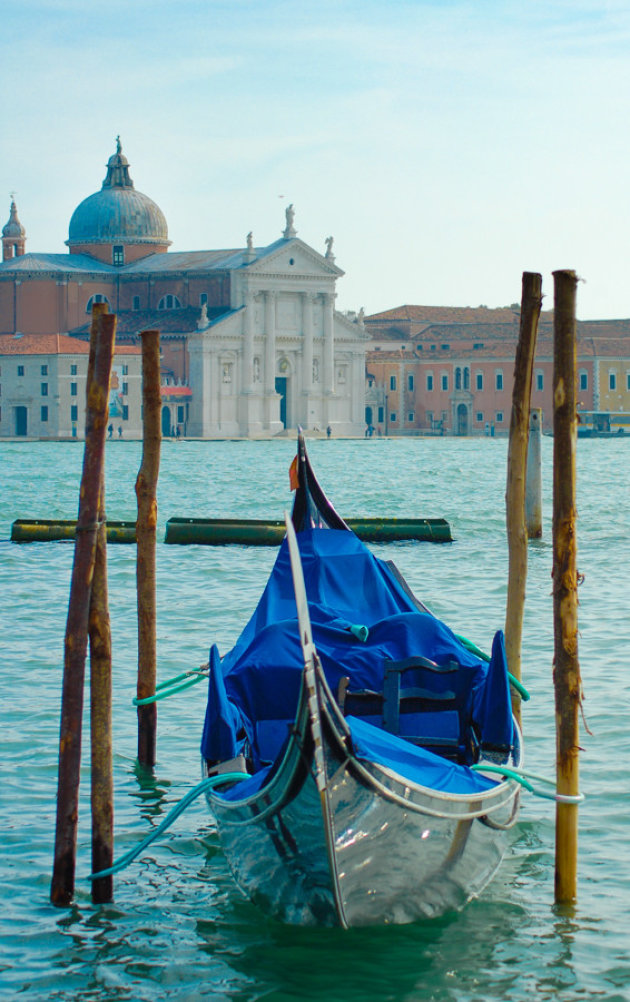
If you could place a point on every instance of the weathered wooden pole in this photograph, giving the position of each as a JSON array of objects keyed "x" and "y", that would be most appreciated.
[
  {"x": 146, "y": 534},
  {"x": 531, "y": 302},
  {"x": 101, "y": 774},
  {"x": 533, "y": 486},
  {"x": 75, "y": 648},
  {"x": 566, "y": 669}
]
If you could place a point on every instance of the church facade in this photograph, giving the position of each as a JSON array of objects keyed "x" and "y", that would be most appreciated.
[{"x": 251, "y": 341}]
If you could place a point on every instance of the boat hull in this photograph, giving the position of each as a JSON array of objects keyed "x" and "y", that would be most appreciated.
[{"x": 333, "y": 840}]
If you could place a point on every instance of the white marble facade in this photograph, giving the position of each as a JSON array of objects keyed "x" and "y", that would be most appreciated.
[{"x": 282, "y": 357}]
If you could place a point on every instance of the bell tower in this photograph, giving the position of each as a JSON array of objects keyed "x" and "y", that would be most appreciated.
[{"x": 13, "y": 235}]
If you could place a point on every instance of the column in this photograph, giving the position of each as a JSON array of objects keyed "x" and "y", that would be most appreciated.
[
  {"x": 329, "y": 343},
  {"x": 247, "y": 376},
  {"x": 270, "y": 343}
]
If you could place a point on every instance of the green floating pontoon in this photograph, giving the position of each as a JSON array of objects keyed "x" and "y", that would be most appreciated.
[
  {"x": 268, "y": 532},
  {"x": 43, "y": 530}
]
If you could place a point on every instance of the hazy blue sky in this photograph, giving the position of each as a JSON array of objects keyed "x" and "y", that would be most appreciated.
[{"x": 447, "y": 146}]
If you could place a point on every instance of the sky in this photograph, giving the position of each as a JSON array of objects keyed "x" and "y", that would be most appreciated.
[{"x": 447, "y": 146}]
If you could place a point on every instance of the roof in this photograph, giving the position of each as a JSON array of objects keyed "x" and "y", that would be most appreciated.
[
  {"x": 53, "y": 344},
  {"x": 175, "y": 391},
  {"x": 178, "y": 321}
]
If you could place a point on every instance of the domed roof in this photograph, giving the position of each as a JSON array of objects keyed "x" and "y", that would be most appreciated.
[{"x": 118, "y": 214}]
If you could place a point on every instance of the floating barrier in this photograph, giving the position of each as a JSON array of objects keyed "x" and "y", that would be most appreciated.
[
  {"x": 240, "y": 531},
  {"x": 268, "y": 532},
  {"x": 43, "y": 530}
]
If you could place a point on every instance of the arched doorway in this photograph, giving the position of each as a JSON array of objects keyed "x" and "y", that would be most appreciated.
[
  {"x": 462, "y": 419},
  {"x": 166, "y": 422}
]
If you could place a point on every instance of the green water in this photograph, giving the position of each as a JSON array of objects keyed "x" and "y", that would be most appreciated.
[{"x": 179, "y": 929}]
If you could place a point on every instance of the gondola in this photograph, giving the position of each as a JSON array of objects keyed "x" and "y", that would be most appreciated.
[{"x": 363, "y": 724}]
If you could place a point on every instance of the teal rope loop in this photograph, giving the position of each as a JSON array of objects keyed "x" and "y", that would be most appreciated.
[
  {"x": 173, "y": 685},
  {"x": 206, "y": 784},
  {"x": 523, "y": 777}
]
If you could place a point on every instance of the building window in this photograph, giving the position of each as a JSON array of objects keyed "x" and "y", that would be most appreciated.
[
  {"x": 458, "y": 378},
  {"x": 430, "y": 419},
  {"x": 74, "y": 413},
  {"x": 499, "y": 380},
  {"x": 135, "y": 303},
  {"x": 393, "y": 417},
  {"x": 180, "y": 414},
  {"x": 392, "y": 382},
  {"x": 118, "y": 254},
  {"x": 628, "y": 380},
  {"x": 479, "y": 380},
  {"x": 44, "y": 370},
  {"x": 411, "y": 417},
  {"x": 169, "y": 302},
  {"x": 410, "y": 382},
  {"x": 125, "y": 412},
  {"x": 125, "y": 370},
  {"x": 466, "y": 378},
  {"x": 381, "y": 415},
  {"x": 444, "y": 378},
  {"x": 44, "y": 413},
  {"x": 203, "y": 298},
  {"x": 445, "y": 347},
  {"x": 499, "y": 417},
  {"x": 612, "y": 380},
  {"x": 44, "y": 389},
  {"x": 20, "y": 370},
  {"x": 73, "y": 370},
  {"x": 73, "y": 389},
  {"x": 479, "y": 416},
  {"x": 540, "y": 381},
  {"x": 125, "y": 389},
  {"x": 96, "y": 298},
  {"x": 429, "y": 381}
]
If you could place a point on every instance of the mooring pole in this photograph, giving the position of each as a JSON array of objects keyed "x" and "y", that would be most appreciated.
[
  {"x": 533, "y": 487},
  {"x": 531, "y": 302},
  {"x": 102, "y": 783},
  {"x": 566, "y": 671},
  {"x": 75, "y": 648},
  {"x": 146, "y": 534}
]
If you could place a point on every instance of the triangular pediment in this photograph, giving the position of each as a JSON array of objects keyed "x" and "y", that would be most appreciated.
[{"x": 293, "y": 256}]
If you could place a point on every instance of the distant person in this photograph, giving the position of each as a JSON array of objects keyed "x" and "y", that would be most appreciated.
[
  {"x": 328, "y": 431},
  {"x": 178, "y": 432},
  {"x": 110, "y": 430},
  {"x": 119, "y": 431}
]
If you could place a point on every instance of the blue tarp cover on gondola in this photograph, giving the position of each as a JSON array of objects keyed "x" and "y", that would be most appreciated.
[{"x": 257, "y": 693}]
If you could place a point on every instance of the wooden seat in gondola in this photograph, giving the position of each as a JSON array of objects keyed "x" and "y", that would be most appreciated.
[{"x": 433, "y": 716}]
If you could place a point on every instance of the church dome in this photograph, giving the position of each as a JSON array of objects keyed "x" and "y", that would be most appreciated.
[{"x": 118, "y": 214}]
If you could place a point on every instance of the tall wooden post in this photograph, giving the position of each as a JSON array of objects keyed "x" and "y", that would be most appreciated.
[
  {"x": 62, "y": 886},
  {"x": 566, "y": 672},
  {"x": 146, "y": 535},
  {"x": 101, "y": 758},
  {"x": 531, "y": 302}
]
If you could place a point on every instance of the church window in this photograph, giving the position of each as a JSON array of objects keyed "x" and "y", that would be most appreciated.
[
  {"x": 466, "y": 378},
  {"x": 118, "y": 254},
  {"x": 169, "y": 302},
  {"x": 96, "y": 298}
]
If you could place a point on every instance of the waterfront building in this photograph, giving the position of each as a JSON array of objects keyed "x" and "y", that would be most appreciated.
[
  {"x": 251, "y": 341},
  {"x": 43, "y": 387},
  {"x": 449, "y": 370}
]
